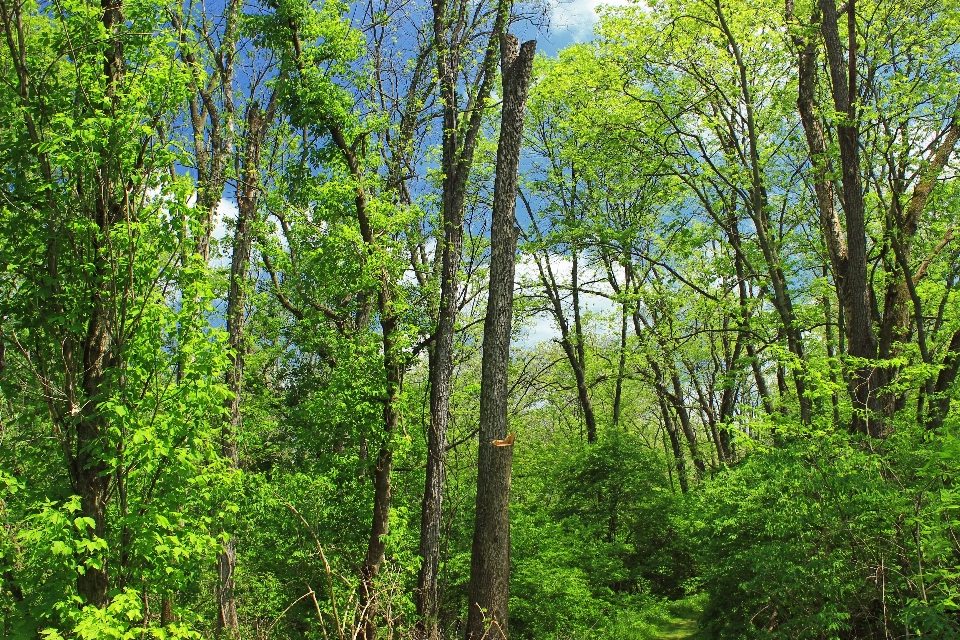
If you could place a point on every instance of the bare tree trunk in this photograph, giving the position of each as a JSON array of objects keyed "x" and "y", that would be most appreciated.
[
  {"x": 459, "y": 143},
  {"x": 247, "y": 199},
  {"x": 490, "y": 562},
  {"x": 621, "y": 368}
]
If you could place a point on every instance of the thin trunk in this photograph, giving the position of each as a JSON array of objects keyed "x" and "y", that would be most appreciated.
[
  {"x": 831, "y": 352},
  {"x": 247, "y": 200},
  {"x": 670, "y": 427},
  {"x": 666, "y": 453},
  {"x": 684, "y": 416},
  {"x": 571, "y": 340},
  {"x": 675, "y": 398},
  {"x": 580, "y": 361},
  {"x": 490, "y": 561},
  {"x": 393, "y": 372},
  {"x": 721, "y": 435},
  {"x": 621, "y": 368},
  {"x": 762, "y": 390}
]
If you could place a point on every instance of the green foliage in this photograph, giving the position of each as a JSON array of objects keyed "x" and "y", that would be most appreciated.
[
  {"x": 666, "y": 155},
  {"x": 823, "y": 537},
  {"x": 593, "y": 535}
]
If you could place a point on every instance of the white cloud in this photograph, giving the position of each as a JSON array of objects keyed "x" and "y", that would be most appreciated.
[
  {"x": 542, "y": 326},
  {"x": 577, "y": 17},
  {"x": 226, "y": 210}
]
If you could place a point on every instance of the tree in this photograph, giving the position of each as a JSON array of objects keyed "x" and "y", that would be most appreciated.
[
  {"x": 490, "y": 560},
  {"x": 858, "y": 98},
  {"x": 99, "y": 308},
  {"x": 452, "y": 37}
]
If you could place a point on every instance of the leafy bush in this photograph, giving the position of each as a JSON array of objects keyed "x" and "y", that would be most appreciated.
[{"x": 823, "y": 537}]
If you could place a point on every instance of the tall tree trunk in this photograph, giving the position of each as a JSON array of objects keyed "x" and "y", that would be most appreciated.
[
  {"x": 459, "y": 144},
  {"x": 621, "y": 368},
  {"x": 862, "y": 341},
  {"x": 490, "y": 561},
  {"x": 247, "y": 199},
  {"x": 89, "y": 470},
  {"x": 212, "y": 123},
  {"x": 579, "y": 362}
]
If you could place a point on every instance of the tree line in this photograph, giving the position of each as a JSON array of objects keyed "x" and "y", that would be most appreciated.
[{"x": 276, "y": 281}]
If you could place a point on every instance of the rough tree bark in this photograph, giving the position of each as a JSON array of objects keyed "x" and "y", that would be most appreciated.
[
  {"x": 257, "y": 124},
  {"x": 862, "y": 341},
  {"x": 459, "y": 144},
  {"x": 490, "y": 561},
  {"x": 88, "y": 470}
]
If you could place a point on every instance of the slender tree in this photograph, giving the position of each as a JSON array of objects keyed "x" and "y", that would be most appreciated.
[
  {"x": 461, "y": 128},
  {"x": 490, "y": 560}
]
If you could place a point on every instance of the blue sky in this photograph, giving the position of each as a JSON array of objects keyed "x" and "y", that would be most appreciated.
[{"x": 571, "y": 21}]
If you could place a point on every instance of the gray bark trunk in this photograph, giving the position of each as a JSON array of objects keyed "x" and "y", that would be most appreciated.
[
  {"x": 457, "y": 159},
  {"x": 490, "y": 562},
  {"x": 236, "y": 315}
]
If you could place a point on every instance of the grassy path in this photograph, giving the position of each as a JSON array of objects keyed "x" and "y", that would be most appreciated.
[
  {"x": 682, "y": 622},
  {"x": 676, "y": 620},
  {"x": 677, "y": 628}
]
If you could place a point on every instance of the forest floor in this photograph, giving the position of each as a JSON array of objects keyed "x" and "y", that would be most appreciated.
[{"x": 682, "y": 622}]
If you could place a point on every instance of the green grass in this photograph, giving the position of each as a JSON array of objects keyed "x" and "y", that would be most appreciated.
[
  {"x": 676, "y": 620},
  {"x": 676, "y": 628}
]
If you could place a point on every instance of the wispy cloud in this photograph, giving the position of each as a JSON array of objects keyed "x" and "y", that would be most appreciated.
[{"x": 577, "y": 17}]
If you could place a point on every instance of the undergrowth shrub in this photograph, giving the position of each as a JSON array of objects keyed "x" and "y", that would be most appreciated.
[{"x": 828, "y": 537}]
